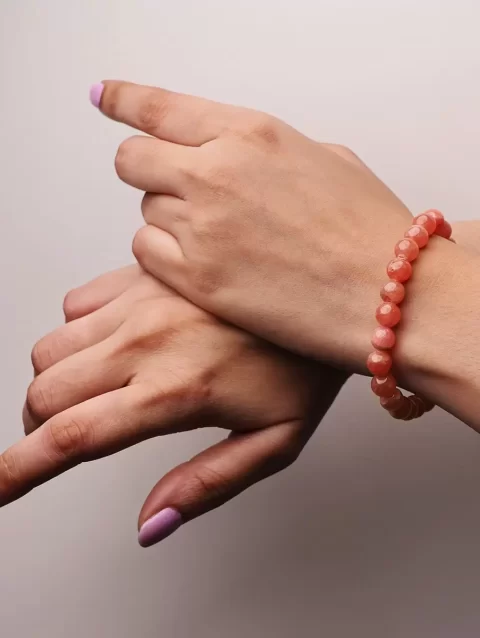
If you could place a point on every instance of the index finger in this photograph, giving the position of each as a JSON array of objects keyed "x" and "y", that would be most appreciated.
[
  {"x": 173, "y": 117},
  {"x": 98, "y": 427}
]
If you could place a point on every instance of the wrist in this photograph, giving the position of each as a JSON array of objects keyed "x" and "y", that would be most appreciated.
[{"x": 436, "y": 353}]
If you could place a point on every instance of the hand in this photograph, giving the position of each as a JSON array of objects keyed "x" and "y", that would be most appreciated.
[
  {"x": 136, "y": 361},
  {"x": 255, "y": 222}
]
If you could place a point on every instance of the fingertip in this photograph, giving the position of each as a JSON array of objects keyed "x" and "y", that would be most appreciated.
[
  {"x": 159, "y": 526},
  {"x": 96, "y": 92}
]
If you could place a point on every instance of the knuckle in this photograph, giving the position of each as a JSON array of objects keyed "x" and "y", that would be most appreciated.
[
  {"x": 344, "y": 151},
  {"x": 144, "y": 330},
  {"x": 125, "y": 156},
  {"x": 206, "y": 482},
  {"x": 263, "y": 128},
  {"x": 190, "y": 391},
  {"x": 10, "y": 474},
  {"x": 39, "y": 400},
  {"x": 195, "y": 391},
  {"x": 341, "y": 148},
  {"x": 153, "y": 111},
  {"x": 42, "y": 356},
  {"x": 71, "y": 439},
  {"x": 148, "y": 205},
  {"x": 201, "y": 172},
  {"x": 141, "y": 244},
  {"x": 55, "y": 347},
  {"x": 216, "y": 173},
  {"x": 72, "y": 308}
]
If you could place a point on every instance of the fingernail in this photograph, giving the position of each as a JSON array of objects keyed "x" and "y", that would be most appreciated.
[
  {"x": 159, "y": 527},
  {"x": 96, "y": 94}
]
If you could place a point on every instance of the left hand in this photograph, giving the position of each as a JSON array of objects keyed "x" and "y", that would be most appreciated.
[
  {"x": 135, "y": 361},
  {"x": 251, "y": 220}
]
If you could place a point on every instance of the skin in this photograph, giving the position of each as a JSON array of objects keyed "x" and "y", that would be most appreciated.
[
  {"x": 289, "y": 239},
  {"x": 173, "y": 363},
  {"x": 137, "y": 360},
  {"x": 134, "y": 361}
]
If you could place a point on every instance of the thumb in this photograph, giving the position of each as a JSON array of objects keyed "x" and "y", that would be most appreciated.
[{"x": 216, "y": 475}]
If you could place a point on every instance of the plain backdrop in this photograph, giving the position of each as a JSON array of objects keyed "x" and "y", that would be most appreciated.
[{"x": 374, "y": 531}]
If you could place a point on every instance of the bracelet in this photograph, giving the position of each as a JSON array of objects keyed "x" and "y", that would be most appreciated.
[{"x": 388, "y": 315}]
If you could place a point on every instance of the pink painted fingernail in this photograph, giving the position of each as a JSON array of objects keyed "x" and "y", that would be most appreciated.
[
  {"x": 96, "y": 94},
  {"x": 159, "y": 527}
]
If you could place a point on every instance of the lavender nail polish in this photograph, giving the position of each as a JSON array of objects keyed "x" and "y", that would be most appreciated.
[
  {"x": 159, "y": 527},
  {"x": 96, "y": 94}
]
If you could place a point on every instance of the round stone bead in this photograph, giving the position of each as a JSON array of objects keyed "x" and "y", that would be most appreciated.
[
  {"x": 383, "y": 338},
  {"x": 399, "y": 269},
  {"x": 428, "y": 404},
  {"x": 419, "y": 406},
  {"x": 392, "y": 403},
  {"x": 402, "y": 410},
  {"x": 416, "y": 409},
  {"x": 427, "y": 222},
  {"x": 384, "y": 386},
  {"x": 406, "y": 412},
  {"x": 388, "y": 314},
  {"x": 379, "y": 363},
  {"x": 444, "y": 230},
  {"x": 407, "y": 249},
  {"x": 419, "y": 235},
  {"x": 436, "y": 215},
  {"x": 393, "y": 291}
]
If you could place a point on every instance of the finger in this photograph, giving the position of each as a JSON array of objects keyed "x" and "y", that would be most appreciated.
[
  {"x": 29, "y": 424},
  {"x": 78, "y": 335},
  {"x": 349, "y": 156},
  {"x": 99, "y": 324},
  {"x": 174, "y": 117},
  {"x": 152, "y": 165},
  {"x": 167, "y": 213},
  {"x": 159, "y": 253},
  {"x": 86, "y": 374},
  {"x": 217, "y": 475},
  {"x": 99, "y": 292},
  {"x": 96, "y": 428}
]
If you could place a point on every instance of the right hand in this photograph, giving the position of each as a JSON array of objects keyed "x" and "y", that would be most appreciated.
[
  {"x": 256, "y": 223},
  {"x": 135, "y": 361}
]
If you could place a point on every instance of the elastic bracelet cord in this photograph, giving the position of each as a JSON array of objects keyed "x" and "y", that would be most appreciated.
[{"x": 388, "y": 315}]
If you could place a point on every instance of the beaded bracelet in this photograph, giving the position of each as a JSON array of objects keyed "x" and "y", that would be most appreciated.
[{"x": 388, "y": 315}]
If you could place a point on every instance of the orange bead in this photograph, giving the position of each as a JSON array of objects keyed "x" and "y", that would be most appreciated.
[
  {"x": 407, "y": 249},
  {"x": 394, "y": 402},
  {"x": 419, "y": 235},
  {"x": 399, "y": 269},
  {"x": 379, "y": 363},
  {"x": 383, "y": 338},
  {"x": 402, "y": 411},
  {"x": 384, "y": 386},
  {"x": 436, "y": 215},
  {"x": 419, "y": 406},
  {"x": 428, "y": 404},
  {"x": 427, "y": 222},
  {"x": 388, "y": 314},
  {"x": 393, "y": 291},
  {"x": 413, "y": 410},
  {"x": 444, "y": 230}
]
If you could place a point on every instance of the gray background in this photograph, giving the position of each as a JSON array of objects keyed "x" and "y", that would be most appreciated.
[{"x": 374, "y": 532}]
